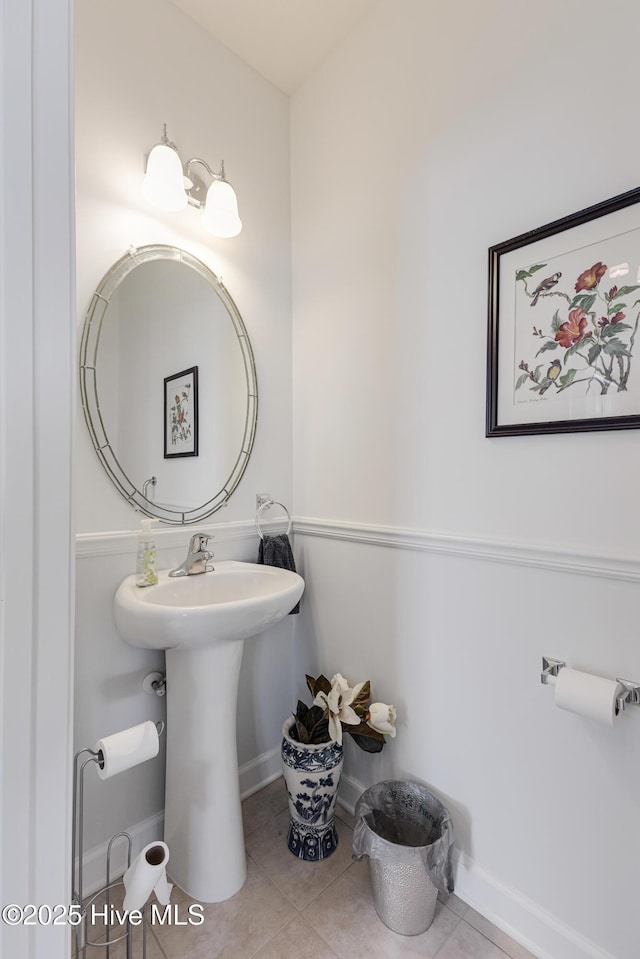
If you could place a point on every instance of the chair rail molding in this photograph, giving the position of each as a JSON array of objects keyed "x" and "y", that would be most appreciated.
[
  {"x": 123, "y": 542},
  {"x": 552, "y": 556}
]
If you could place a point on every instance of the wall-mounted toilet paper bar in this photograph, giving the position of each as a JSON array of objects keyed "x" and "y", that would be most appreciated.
[{"x": 630, "y": 695}]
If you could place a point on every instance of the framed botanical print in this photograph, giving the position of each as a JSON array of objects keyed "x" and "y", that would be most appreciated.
[
  {"x": 181, "y": 413},
  {"x": 564, "y": 307}
]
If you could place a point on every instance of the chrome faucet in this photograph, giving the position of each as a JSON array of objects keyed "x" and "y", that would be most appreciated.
[{"x": 197, "y": 557}]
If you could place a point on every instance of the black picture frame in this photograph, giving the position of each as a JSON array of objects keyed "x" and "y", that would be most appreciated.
[
  {"x": 584, "y": 270},
  {"x": 181, "y": 424}
]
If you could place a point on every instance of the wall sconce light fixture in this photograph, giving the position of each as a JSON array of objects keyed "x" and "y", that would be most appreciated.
[{"x": 171, "y": 185}]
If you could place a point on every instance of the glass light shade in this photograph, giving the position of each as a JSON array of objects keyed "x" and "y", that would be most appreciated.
[
  {"x": 220, "y": 215},
  {"x": 163, "y": 184}
]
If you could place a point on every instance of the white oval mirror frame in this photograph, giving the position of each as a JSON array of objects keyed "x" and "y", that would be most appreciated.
[{"x": 100, "y": 419}]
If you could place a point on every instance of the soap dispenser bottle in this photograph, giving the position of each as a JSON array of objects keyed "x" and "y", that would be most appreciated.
[{"x": 146, "y": 563}]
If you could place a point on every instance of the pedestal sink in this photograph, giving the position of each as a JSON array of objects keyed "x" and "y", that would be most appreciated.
[{"x": 202, "y": 621}]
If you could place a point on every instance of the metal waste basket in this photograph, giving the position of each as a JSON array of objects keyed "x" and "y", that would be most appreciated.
[{"x": 407, "y": 835}]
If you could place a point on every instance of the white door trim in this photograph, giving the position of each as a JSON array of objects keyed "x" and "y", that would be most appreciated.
[{"x": 37, "y": 396}]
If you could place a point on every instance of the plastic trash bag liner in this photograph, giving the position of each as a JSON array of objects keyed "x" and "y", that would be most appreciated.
[{"x": 396, "y": 822}]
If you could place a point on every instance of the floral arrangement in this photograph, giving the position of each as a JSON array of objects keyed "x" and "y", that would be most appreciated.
[{"x": 336, "y": 707}]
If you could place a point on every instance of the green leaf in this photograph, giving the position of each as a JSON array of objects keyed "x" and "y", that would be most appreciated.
[
  {"x": 616, "y": 308},
  {"x": 616, "y": 347},
  {"x": 574, "y": 349},
  {"x": 299, "y": 731},
  {"x": 571, "y": 351},
  {"x": 536, "y": 372},
  {"x": 549, "y": 345},
  {"x": 593, "y": 354},
  {"x": 534, "y": 269},
  {"x": 369, "y": 745},
  {"x": 319, "y": 685},
  {"x": 612, "y": 328},
  {"x": 363, "y": 697},
  {"x": 320, "y": 732},
  {"x": 522, "y": 275},
  {"x": 521, "y": 380},
  {"x": 367, "y": 738},
  {"x": 567, "y": 379},
  {"x": 556, "y": 322},
  {"x": 627, "y": 289},
  {"x": 583, "y": 300}
]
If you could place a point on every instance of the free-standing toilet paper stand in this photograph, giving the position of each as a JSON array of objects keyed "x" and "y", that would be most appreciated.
[
  {"x": 78, "y": 911},
  {"x": 629, "y": 696}
]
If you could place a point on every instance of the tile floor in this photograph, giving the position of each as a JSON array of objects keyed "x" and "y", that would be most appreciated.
[{"x": 290, "y": 909}]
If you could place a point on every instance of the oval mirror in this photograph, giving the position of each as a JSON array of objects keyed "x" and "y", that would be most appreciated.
[{"x": 168, "y": 384}]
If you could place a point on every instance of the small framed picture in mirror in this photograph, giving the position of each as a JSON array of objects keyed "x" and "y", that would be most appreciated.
[{"x": 181, "y": 413}]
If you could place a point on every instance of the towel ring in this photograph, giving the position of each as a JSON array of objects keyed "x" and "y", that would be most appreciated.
[{"x": 272, "y": 502}]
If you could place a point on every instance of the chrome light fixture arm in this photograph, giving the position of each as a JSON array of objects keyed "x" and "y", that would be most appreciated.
[{"x": 197, "y": 191}]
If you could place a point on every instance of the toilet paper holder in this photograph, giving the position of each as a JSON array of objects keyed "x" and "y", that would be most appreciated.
[
  {"x": 78, "y": 901},
  {"x": 630, "y": 695}
]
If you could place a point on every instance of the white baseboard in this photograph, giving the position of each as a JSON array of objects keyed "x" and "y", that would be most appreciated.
[
  {"x": 95, "y": 860},
  {"x": 528, "y": 923},
  {"x": 349, "y": 791},
  {"x": 253, "y": 775},
  {"x": 537, "y": 929},
  {"x": 259, "y": 772}
]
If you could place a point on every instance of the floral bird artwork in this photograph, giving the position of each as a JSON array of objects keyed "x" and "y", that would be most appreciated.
[
  {"x": 592, "y": 331},
  {"x": 179, "y": 415},
  {"x": 545, "y": 286}
]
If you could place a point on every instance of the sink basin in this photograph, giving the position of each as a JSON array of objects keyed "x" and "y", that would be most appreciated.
[
  {"x": 234, "y": 601},
  {"x": 202, "y": 621}
]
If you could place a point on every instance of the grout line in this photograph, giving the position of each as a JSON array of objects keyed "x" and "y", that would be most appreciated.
[
  {"x": 271, "y": 938},
  {"x": 451, "y": 934},
  {"x": 158, "y": 942}
]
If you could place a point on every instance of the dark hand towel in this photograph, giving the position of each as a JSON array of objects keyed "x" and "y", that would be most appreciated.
[{"x": 276, "y": 551}]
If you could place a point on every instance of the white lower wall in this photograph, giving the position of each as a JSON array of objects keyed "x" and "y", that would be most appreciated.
[{"x": 544, "y": 802}]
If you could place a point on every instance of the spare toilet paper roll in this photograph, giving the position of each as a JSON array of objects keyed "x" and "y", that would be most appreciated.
[
  {"x": 587, "y": 695},
  {"x": 126, "y": 749},
  {"x": 147, "y": 873}
]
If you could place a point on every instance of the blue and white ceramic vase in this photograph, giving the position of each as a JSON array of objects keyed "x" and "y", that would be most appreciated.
[{"x": 311, "y": 775}]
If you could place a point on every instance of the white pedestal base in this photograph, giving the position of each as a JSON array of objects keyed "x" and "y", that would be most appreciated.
[{"x": 203, "y": 816}]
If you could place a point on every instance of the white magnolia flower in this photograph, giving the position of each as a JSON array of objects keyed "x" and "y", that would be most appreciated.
[
  {"x": 337, "y": 706},
  {"x": 382, "y": 718}
]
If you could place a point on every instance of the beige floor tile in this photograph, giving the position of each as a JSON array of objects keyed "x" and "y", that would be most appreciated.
[
  {"x": 345, "y": 816},
  {"x": 345, "y": 917},
  {"x": 454, "y": 904},
  {"x": 300, "y": 881},
  {"x": 119, "y": 950},
  {"x": 467, "y": 943},
  {"x": 234, "y": 929},
  {"x": 298, "y": 941},
  {"x": 264, "y": 805},
  {"x": 512, "y": 948}
]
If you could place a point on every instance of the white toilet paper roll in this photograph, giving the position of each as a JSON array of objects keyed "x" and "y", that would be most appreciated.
[
  {"x": 147, "y": 873},
  {"x": 127, "y": 748},
  {"x": 587, "y": 695}
]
